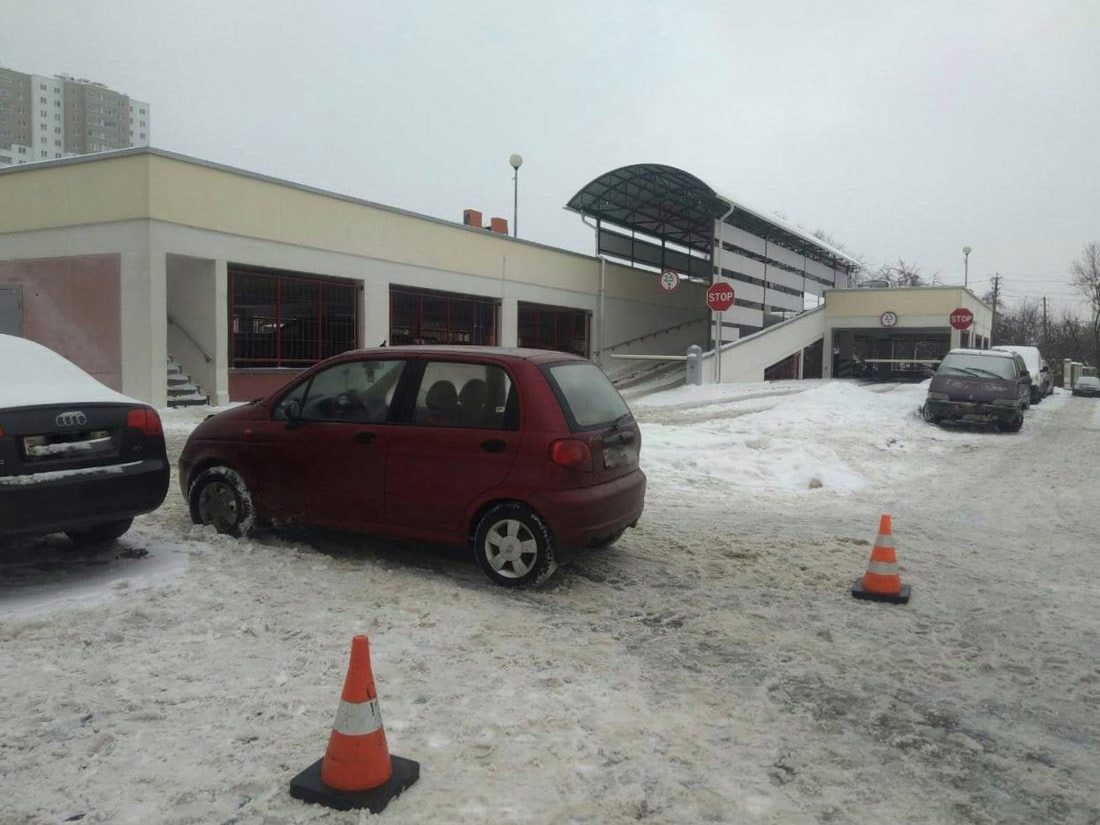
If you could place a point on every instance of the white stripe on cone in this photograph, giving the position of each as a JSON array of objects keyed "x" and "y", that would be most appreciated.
[
  {"x": 882, "y": 568},
  {"x": 884, "y": 541},
  {"x": 357, "y": 719}
]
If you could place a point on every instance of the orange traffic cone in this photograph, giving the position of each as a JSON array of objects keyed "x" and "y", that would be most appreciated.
[
  {"x": 357, "y": 770},
  {"x": 881, "y": 582}
]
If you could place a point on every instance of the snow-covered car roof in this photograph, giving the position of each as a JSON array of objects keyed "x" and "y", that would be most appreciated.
[{"x": 31, "y": 374}]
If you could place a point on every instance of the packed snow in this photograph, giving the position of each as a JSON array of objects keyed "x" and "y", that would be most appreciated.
[
  {"x": 711, "y": 667},
  {"x": 31, "y": 374}
]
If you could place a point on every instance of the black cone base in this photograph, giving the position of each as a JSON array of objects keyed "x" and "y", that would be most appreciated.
[
  {"x": 893, "y": 598},
  {"x": 307, "y": 786}
]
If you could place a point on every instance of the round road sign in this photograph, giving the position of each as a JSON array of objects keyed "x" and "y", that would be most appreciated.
[
  {"x": 962, "y": 318},
  {"x": 719, "y": 297},
  {"x": 888, "y": 318},
  {"x": 669, "y": 280}
]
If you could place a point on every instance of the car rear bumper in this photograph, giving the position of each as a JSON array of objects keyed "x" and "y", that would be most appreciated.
[
  {"x": 583, "y": 516},
  {"x": 972, "y": 410},
  {"x": 54, "y": 502}
]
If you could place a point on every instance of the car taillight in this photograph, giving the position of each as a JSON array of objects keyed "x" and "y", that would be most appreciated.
[
  {"x": 146, "y": 420},
  {"x": 1, "y": 432},
  {"x": 571, "y": 453}
]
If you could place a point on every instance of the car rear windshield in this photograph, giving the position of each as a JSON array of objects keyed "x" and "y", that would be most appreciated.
[
  {"x": 978, "y": 366},
  {"x": 588, "y": 397}
]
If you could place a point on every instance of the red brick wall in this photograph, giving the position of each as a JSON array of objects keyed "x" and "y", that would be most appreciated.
[{"x": 71, "y": 305}]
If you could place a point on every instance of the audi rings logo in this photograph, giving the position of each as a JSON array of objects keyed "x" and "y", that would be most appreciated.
[{"x": 71, "y": 419}]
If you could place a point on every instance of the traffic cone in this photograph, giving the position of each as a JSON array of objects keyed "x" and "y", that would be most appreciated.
[
  {"x": 881, "y": 582},
  {"x": 357, "y": 770}
]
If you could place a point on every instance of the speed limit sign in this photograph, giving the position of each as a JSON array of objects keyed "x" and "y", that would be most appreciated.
[{"x": 669, "y": 280}]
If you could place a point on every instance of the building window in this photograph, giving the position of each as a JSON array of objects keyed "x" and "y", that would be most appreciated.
[
  {"x": 421, "y": 316},
  {"x": 5, "y": 159},
  {"x": 282, "y": 319},
  {"x": 56, "y": 90},
  {"x": 142, "y": 111},
  {"x": 57, "y": 103},
  {"x": 142, "y": 135},
  {"x": 43, "y": 100},
  {"x": 556, "y": 328},
  {"x": 45, "y": 154},
  {"x": 42, "y": 86}
]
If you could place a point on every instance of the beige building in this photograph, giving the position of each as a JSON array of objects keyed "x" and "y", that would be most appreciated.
[{"x": 122, "y": 259}]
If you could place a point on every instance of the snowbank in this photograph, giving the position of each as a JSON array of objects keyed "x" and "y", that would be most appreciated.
[{"x": 824, "y": 438}]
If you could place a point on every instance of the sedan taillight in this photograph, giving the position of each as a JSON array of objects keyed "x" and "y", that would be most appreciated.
[
  {"x": 571, "y": 453},
  {"x": 146, "y": 420}
]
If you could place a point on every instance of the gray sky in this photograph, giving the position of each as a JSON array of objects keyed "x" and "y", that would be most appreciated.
[{"x": 902, "y": 129}]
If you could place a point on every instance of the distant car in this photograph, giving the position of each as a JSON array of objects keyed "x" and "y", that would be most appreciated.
[
  {"x": 75, "y": 456},
  {"x": 1087, "y": 386},
  {"x": 975, "y": 385},
  {"x": 1036, "y": 366},
  {"x": 518, "y": 454},
  {"x": 1048, "y": 379}
]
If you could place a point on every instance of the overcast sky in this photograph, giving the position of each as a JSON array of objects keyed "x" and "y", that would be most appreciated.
[{"x": 902, "y": 129}]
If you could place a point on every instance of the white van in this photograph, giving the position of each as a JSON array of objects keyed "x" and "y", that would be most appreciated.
[{"x": 1040, "y": 373}]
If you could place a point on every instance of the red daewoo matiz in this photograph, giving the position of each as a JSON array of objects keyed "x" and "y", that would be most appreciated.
[{"x": 521, "y": 454}]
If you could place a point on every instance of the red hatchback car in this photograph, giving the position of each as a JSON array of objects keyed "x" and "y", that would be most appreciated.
[{"x": 520, "y": 454}]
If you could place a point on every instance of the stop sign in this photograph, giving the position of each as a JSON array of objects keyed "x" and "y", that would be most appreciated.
[
  {"x": 962, "y": 318},
  {"x": 719, "y": 297}
]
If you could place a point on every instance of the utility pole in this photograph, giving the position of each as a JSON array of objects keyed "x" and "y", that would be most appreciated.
[
  {"x": 996, "y": 295},
  {"x": 1046, "y": 327}
]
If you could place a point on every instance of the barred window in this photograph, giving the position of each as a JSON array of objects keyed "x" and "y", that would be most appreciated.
[{"x": 288, "y": 320}]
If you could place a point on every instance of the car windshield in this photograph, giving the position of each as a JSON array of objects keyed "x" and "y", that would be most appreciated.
[
  {"x": 1088, "y": 381},
  {"x": 587, "y": 394},
  {"x": 978, "y": 366}
]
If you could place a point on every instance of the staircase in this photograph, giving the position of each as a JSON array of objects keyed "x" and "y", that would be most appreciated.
[{"x": 182, "y": 391}]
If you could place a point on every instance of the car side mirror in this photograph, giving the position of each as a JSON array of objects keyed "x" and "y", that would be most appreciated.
[{"x": 292, "y": 409}]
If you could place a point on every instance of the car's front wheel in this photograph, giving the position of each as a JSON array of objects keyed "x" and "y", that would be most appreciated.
[
  {"x": 219, "y": 496},
  {"x": 513, "y": 546},
  {"x": 101, "y": 533},
  {"x": 928, "y": 415}
]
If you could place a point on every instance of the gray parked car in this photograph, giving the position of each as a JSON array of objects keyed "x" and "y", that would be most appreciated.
[{"x": 975, "y": 385}]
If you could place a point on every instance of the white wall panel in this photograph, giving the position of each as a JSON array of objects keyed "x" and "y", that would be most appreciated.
[
  {"x": 785, "y": 256},
  {"x": 739, "y": 263},
  {"x": 741, "y": 238}
]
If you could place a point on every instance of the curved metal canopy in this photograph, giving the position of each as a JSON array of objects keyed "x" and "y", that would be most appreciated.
[{"x": 662, "y": 201}]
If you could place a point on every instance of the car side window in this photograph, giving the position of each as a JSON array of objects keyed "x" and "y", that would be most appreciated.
[
  {"x": 355, "y": 391},
  {"x": 296, "y": 394},
  {"x": 480, "y": 396}
]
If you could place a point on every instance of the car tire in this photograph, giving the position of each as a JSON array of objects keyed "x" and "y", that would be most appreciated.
[
  {"x": 1012, "y": 425},
  {"x": 101, "y": 533},
  {"x": 607, "y": 541},
  {"x": 513, "y": 546},
  {"x": 928, "y": 415},
  {"x": 218, "y": 496}
]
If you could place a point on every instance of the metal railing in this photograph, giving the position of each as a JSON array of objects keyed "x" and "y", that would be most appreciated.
[
  {"x": 655, "y": 333},
  {"x": 191, "y": 338}
]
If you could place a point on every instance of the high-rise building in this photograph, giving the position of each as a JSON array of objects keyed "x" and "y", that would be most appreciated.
[{"x": 45, "y": 118}]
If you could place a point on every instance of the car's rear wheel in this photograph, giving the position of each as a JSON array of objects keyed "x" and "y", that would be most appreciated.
[
  {"x": 101, "y": 533},
  {"x": 219, "y": 497},
  {"x": 513, "y": 546},
  {"x": 1012, "y": 425}
]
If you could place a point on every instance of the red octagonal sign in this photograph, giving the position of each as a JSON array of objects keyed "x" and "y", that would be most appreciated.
[
  {"x": 962, "y": 318},
  {"x": 719, "y": 297}
]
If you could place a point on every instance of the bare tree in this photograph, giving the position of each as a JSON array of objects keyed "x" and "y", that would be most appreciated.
[{"x": 1086, "y": 278}]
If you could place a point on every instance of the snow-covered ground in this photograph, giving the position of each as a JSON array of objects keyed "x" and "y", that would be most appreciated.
[{"x": 712, "y": 667}]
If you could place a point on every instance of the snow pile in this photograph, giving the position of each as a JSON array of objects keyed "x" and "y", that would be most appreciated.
[
  {"x": 31, "y": 374},
  {"x": 813, "y": 440}
]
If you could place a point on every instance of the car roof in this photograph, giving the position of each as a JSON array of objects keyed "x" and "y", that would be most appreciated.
[
  {"x": 537, "y": 356},
  {"x": 987, "y": 352}
]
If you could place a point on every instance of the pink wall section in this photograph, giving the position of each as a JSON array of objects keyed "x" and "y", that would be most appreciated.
[
  {"x": 245, "y": 385},
  {"x": 71, "y": 305}
]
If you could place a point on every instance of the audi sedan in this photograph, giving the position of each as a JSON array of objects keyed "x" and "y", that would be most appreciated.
[
  {"x": 76, "y": 457},
  {"x": 520, "y": 455}
]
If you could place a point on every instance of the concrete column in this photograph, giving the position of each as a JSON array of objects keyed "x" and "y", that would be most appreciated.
[
  {"x": 374, "y": 328},
  {"x": 144, "y": 326},
  {"x": 219, "y": 393},
  {"x": 956, "y": 338},
  {"x": 827, "y": 353},
  {"x": 509, "y": 323}
]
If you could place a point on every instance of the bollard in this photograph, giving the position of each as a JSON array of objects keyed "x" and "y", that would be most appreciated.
[{"x": 694, "y": 364}]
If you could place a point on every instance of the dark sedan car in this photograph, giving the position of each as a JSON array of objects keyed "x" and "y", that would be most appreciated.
[
  {"x": 518, "y": 454},
  {"x": 973, "y": 385},
  {"x": 75, "y": 456},
  {"x": 1087, "y": 386}
]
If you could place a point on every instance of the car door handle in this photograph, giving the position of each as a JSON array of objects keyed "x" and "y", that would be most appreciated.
[
  {"x": 365, "y": 437},
  {"x": 494, "y": 445}
]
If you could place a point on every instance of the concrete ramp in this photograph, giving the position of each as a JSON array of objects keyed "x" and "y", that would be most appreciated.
[{"x": 746, "y": 359}]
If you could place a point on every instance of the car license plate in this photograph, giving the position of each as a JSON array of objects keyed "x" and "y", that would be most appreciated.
[{"x": 619, "y": 456}]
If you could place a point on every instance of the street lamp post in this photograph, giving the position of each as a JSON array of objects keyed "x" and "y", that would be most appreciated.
[
  {"x": 517, "y": 161},
  {"x": 966, "y": 266}
]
